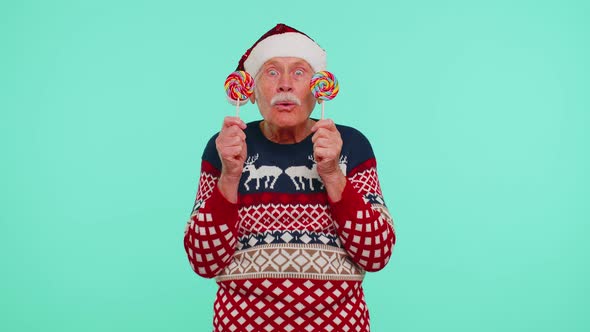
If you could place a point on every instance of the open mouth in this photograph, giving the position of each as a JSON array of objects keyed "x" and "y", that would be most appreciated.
[{"x": 285, "y": 105}]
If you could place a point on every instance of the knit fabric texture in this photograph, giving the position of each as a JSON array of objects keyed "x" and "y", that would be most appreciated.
[{"x": 285, "y": 257}]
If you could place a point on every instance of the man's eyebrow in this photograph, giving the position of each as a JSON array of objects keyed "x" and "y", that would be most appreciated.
[
  {"x": 300, "y": 63},
  {"x": 269, "y": 63}
]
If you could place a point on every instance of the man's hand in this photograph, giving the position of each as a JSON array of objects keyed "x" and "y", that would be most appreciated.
[
  {"x": 232, "y": 150},
  {"x": 327, "y": 145}
]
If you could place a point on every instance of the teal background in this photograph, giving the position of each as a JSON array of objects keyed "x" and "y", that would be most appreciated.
[{"x": 477, "y": 112}]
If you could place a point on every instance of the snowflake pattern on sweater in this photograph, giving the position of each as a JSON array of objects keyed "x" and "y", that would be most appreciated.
[{"x": 285, "y": 257}]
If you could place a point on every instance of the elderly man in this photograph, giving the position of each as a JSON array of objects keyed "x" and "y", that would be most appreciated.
[{"x": 289, "y": 213}]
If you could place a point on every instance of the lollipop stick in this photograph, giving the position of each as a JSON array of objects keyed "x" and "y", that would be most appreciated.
[
  {"x": 322, "y": 109},
  {"x": 238, "y": 107}
]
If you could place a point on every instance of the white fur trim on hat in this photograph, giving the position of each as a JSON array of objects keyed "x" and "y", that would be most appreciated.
[{"x": 288, "y": 44}]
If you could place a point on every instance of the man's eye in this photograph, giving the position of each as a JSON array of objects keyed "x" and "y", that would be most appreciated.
[
  {"x": 299, "y": 72},
  {"x": 273, "y": 72}
]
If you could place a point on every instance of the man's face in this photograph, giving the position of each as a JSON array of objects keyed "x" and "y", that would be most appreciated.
[{"x": 282, "y": 91}]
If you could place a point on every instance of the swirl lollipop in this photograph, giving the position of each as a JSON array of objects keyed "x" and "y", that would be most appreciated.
[
  {"x": 324, "y": 86},
  {"x": 239, "y": 86}
]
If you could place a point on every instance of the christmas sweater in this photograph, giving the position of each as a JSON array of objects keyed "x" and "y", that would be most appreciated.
[{"x": 286, "y": 257}]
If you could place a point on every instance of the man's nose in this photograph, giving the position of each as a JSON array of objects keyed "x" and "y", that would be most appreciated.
[{"x": 285, "y": 84}]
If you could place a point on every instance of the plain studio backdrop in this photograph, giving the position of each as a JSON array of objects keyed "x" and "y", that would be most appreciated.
[{"x": 477, "y": 112}]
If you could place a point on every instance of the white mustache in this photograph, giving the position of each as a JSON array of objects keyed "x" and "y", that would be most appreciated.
[{"x": 285, "y": 97}]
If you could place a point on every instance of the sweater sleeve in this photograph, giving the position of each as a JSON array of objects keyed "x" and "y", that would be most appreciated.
[
  {"x": 362, "y": 220},
  {"x": 210, "y": 235}
]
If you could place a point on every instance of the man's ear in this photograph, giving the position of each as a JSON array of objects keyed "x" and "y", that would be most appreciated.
[{"x": 253, "y": 97}]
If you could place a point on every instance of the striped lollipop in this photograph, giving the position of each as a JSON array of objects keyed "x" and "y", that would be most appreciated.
[
  {"x": 239, "y": 86},
  {"x": 324, "y": 86}
]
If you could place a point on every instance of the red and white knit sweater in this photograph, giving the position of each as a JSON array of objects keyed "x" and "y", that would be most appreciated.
[{"x": 285, "y": 257}]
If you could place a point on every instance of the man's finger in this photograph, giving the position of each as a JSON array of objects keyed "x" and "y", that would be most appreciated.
[
  {"x": 231, "y": 152},
  {"x": 325, "y": 154},
  {"x": 323, "y": 142},
  {"x": 233, "y": 131},
  {"x": 326, "y": 123},
  {"x": 229, "y": 121},
  {"x": 321, "y": 132}
]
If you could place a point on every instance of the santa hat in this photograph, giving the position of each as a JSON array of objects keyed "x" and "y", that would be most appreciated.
[{"x": 282, "y": 41}]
